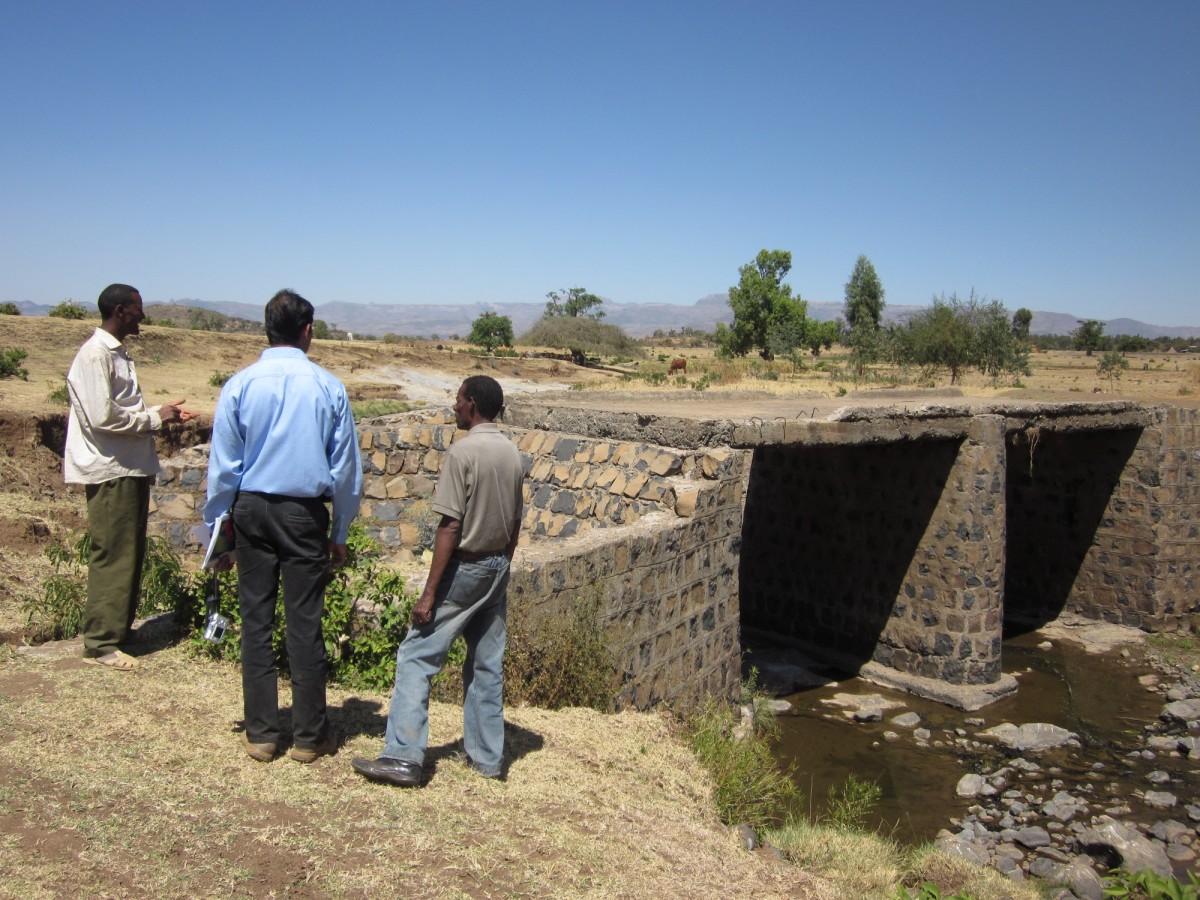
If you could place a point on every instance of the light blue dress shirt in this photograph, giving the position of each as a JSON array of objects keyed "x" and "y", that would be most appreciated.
[{"x": 283, "y": 426}]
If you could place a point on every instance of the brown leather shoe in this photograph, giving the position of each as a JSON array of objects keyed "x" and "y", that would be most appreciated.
[
  {"x": 327, "y": 747},
  {"x": 258, "y": 752}
]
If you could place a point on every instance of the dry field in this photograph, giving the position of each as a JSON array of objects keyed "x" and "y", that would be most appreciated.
[{"x": 132, "y": 784}]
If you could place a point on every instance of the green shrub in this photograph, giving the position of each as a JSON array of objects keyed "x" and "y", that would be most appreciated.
[
  {"x": 562, "y": 660},
  {"x": 218, "y": 378},
  {"x": 68, "y": 309},
  {"x": 1146, "y": 884},
  {"x": 751, "y": 788},
  {"x": 59, "y": 615},
  {"x": 64, "y": 594},
  {"x": 850, "y": 804},
  {"x": 10, "y": 364},
  {"x": 360, "y": 638},
  {"x": 58, "y": 395},
  {"x": 9, "y": 309}
]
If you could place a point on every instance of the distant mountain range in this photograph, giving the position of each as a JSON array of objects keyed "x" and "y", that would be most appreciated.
[{"x": 637, "y": 319}]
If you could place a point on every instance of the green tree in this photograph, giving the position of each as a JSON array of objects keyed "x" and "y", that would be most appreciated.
[
  {"x": 955, "y": 334},
  {"x": 490, "y": 331},
  {"x": 995, "y": 348},
  {"x": 938, "y": 337},
  {"x": 68, "y": 309},
  {"x": 320, "y": 329},
  {"x": 581, "y": 335},
  {"x": 9, "y": 309},
  {"x": 761, "y": 302},
  {"x": 864, "y": 296},
  {"x": 204, "y": 320},
  {"x": 1111, "y": 365},
  {"x": 574, "y": 303},
  {"x": 821, "y": 336},
  {"x": 1130, "y": 343},
  {"x": 863, "y": 313},
  {"x": 1021, "y": 321},
  {"x": 1089, "y": 335}
]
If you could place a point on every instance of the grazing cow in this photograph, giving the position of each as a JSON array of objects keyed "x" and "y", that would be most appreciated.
[{"x": 678, "y": 364}]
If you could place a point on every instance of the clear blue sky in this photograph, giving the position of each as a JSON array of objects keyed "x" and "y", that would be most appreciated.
[{"x": 1044, "y": 153}]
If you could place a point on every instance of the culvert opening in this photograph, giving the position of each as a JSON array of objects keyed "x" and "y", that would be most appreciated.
[
  {"x": 832, "y": 559},
  {"x": 1066, "y": 546}
]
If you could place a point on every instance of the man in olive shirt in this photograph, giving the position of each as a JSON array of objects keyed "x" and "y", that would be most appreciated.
[{"x": 479, "y": 498}]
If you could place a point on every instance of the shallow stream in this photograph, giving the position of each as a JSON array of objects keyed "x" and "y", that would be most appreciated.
[{"x": 1097, "y": 696}]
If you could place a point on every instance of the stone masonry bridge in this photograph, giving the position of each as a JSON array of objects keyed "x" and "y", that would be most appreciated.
[{"x": 899, "y": 537}]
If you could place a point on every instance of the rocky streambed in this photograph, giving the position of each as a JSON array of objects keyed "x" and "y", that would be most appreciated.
[{"x": 1092, "y": 764}]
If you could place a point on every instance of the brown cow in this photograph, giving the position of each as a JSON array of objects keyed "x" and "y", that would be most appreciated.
[{"x": 678, "y": 364}]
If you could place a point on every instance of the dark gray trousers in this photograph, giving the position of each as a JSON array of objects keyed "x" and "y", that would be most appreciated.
[{"x": 282, "y": 538}]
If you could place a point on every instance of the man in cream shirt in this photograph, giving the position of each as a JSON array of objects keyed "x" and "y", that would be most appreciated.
[{"x": 110, "y": 450}]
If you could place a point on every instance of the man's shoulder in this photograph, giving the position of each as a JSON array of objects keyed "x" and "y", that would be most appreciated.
[
  {"x": 96, "y": 347},
  {"x": 489, "y": 443}
]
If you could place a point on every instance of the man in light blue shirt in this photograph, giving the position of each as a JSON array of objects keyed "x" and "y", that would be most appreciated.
[{"x": 283, "y": 444}]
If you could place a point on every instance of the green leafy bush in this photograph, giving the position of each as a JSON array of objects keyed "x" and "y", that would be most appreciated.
[
  {"x": 751, "y": 788},
  {"x": 9, "y": 309},
  {"x": 218, "y": 379},
  {"x": 560, "y": 661},
  {"x": 10, "y": 364},
  {"x": 68, "y": 309},
  {"x": 64, "y": 594},
  {"x": 360, "y": 637},
  {"x": 58, "y": 395},
  {"x": 59, "y": 615},
  {"x": 1150, "y": 886}
]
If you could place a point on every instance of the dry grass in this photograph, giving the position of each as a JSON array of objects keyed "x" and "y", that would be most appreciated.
[
  {"x": 1153, "y": 377},
  {"x": 857, "y": 864},
  {"x": 119, "y": 784}
]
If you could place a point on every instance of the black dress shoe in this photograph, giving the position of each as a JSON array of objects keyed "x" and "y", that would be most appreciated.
[{"x": 393, "y": 771}]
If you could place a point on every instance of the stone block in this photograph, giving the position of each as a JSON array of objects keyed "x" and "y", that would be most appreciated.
[
  {"x": 635, "y": 485},
  {"x": 374, "y": 488},
  {"x": 664, "y": 464},
  {"x": 175, "y": 506}
]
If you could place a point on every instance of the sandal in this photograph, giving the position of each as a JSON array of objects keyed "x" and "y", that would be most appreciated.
[{"x": 117, "y": 659}]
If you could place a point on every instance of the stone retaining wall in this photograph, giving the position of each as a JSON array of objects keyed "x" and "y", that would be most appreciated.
[
  {"x": 654, "y": 530},
  {"x": 898, "y": 540}
]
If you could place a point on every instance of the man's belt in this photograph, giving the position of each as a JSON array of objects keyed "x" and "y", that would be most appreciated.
[{"x": 473, "y": 556}]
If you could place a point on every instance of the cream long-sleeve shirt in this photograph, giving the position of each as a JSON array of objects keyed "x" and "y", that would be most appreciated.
[{"x": 110, "y": 430}]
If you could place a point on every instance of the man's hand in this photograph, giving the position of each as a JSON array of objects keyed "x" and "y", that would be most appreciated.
[
  {"x": 422, "y": 611},
  {"x": 224, "y": 563},
  {"x": 174, "y": 412},
  {"x": 337, "y": 555}
]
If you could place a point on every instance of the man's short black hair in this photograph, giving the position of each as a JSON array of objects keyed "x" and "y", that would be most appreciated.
[
  {"x": 487, "y": 394},
  {"x": 287, "y": 314},
  {"x": 116, "y": 295}
]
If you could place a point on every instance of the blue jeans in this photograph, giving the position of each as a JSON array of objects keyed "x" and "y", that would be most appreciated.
[{"x": 471, "y": 600}]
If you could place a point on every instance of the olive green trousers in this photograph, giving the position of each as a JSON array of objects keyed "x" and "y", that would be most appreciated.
[{"x": 117, "y": 513}]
